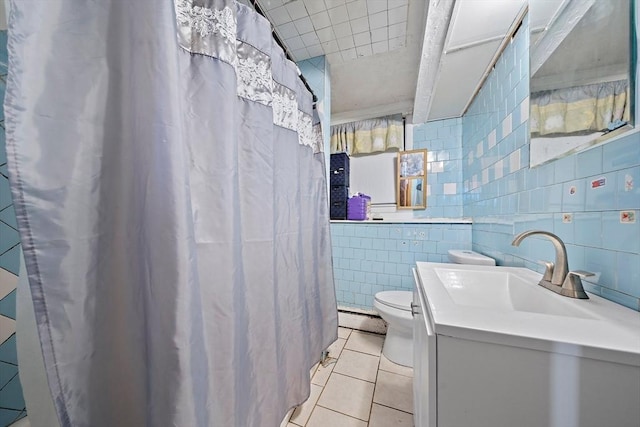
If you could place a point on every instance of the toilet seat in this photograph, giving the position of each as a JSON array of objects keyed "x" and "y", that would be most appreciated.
[{"x": 400, "y": 300}]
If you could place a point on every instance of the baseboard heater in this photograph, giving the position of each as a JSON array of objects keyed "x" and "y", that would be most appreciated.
[{"x": 362, "y": 320}]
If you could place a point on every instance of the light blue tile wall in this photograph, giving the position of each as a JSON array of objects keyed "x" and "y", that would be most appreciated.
[
  {"x": 317, "y": 73},
  {"x": 443, "y": 141},
  {"x": 12, "y": 405},
  {"x": 505, "y": 197},
  {"x": 369, "y": 258}
]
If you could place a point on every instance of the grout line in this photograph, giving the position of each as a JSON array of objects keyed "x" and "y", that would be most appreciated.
[
  {"x": 391, "y": 407},
  {"x": 396, "y": 373},
  {"x": 342, "y": 413},
  {"x": 355, "y": 378}
]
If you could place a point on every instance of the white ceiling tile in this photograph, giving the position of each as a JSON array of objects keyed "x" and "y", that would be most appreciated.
[
  {"x": 378, "y": 20},
  {"x": 397, "y": 3},
  {"x": 321, "y": 20},
  {"x": 398, "y": 30},
  {"x": 303, "y": 25},
  {"x": 380, "y": 47},
  {"x": 271, "y": 4},
  {"x": 330, "y": 47},
  {"x": 349, "y": 54},
  {"x": 334, "y": 57},
  {"x": 315, "y": 50},
  {"x": 375, "y": 6},
  {"x": 379, "y": 34},
  {"x": 397, "y": 15},
  {"x": 296, "y": 9},
  {"x": 287, "y": 31},
  {"x": 294, "y": 43},
  {"x": 279, "y": 16},
  {"x": 396, "y": 43},
  {"x": 300, "y": 54},
  {"x": 333, "y": 3},
  {"x": 338, "y": 14},
  {"x": 346, "y": 43},
  {"x": 310, "y": 39},
  {"x": 364, "y": 50},
  {"x": 326, "y": 34},
  {"x": 362, "y": 39},
  {"x": 360, "y": 25},
  {"x": 342, "y": 30},
  {"x": 357, "y": 9},
  {"x": 314, "y": 6}
]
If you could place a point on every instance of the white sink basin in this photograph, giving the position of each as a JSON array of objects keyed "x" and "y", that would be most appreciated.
[
  {"x": 506, "y": 305},
  {"x": 505, "y": 290}
]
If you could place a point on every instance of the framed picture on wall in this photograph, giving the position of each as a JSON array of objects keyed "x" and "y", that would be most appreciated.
[{"x": 411, "y": 188}]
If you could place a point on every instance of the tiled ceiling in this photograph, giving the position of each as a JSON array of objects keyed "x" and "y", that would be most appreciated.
[
  {"x": 342, "y": 30},
  {"x": 375, "y": 46}
]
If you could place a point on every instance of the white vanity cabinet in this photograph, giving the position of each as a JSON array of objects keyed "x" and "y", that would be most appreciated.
[
  {"x": 424, "y": 362},
  {"x": 466, "y": 375}
]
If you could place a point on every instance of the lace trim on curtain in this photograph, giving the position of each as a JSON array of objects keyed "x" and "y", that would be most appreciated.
[
  {"x": 318, "y": 143},
  {"x": 285, "y": 107},
  {"x": 254, "y": 74},
  {"x": 210, "y": 32},
  {"x": 213, "y": 32},
  {"x": 305, "y": 129}
]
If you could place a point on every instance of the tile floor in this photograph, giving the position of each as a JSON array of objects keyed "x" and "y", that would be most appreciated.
[{"x": 359, "y": 387}]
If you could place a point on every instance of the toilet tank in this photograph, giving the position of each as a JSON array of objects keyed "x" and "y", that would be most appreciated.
[{"x": 458, "y": 256}]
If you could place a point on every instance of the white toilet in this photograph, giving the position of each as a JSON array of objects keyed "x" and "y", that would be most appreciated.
[{"x": 395, "y": 308}]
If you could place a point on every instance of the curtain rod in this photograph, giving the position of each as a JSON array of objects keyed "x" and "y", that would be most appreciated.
[{"x": 258, "y": 9}]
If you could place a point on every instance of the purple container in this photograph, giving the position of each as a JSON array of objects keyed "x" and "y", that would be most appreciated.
[{"x": 358, "y": 207}]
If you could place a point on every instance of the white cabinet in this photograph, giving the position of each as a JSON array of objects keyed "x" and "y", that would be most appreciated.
[
  {"x": 424, "y": 362},
  {"x": 467, "y": 379}
]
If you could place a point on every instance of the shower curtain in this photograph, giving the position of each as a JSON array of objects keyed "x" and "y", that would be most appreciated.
[{"x": 170, "y": 193}]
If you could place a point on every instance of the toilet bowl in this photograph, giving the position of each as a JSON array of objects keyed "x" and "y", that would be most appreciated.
[{"x": 395, "y": 308}]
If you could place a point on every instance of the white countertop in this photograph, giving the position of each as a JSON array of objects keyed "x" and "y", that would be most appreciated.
[
  {"x": 408, "y": 221},
  {"x": 611, "y": 333}
]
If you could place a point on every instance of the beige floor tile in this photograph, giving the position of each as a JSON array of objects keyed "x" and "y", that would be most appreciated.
[
  {"x": 285, "y": 421},
  {"x": 349, "y": 396},
  {"x": 322, "y": 374},
  {"x": 323, "y": 417},
  {"x": 389, "y": 366},
  {"x": 313, "y": 370},
  {"x": 7, "y": 328},
  {"x": 303, "y": 412},
  {"x": 365, "y": 342},
  {"x": 358, "y": 365},
  {"x": 381, "y": 416},
  {"x": 8, "y": 282},
  {"x": 394, "y": 391},
  {"x": 344, "y": 333},
  {"x": 336, "y": 348},
  {"x": 22, "y": 422}
]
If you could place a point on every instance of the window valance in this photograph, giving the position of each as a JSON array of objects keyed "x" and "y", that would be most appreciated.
[{"x": 368, "y": 136}]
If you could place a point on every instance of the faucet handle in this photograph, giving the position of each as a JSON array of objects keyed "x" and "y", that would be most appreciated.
[
  {"x": 548, "y": 271},
  {"x": 572, "y": 286}
]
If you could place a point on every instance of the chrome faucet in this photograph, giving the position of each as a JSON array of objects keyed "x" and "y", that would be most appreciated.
[{"x": 557, "y": 276}]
